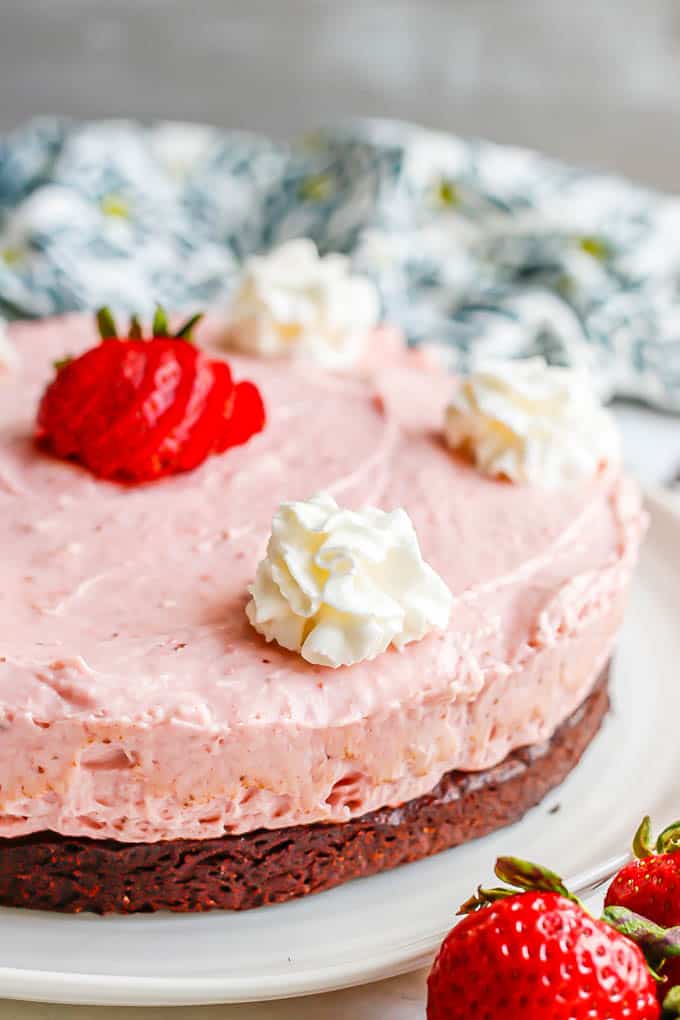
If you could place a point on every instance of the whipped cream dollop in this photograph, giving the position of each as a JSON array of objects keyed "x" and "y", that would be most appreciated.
[
  {"x": 295, "y": 303},
  {"x": 340, "y": 586},
  {"x": 531, "y": 422}
]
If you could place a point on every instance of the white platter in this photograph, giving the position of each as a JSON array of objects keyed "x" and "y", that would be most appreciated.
[{"x": 392, "y": 923}]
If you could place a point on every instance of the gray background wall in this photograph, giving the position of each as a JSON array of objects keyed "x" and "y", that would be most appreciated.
[{"x": 597, "y": 81}]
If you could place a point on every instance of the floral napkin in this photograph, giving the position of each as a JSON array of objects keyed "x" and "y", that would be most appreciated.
[{"x": 484, "y": 249}]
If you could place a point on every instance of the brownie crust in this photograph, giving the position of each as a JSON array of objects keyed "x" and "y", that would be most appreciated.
[{"x": 46, "y": 871}]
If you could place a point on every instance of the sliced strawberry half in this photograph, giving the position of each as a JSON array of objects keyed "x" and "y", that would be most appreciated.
[
  {"x": 135, "y": 409},
  {"x": 246, "y": 418}
]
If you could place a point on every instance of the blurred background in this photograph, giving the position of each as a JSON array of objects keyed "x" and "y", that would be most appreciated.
[{"x": 592, "y": 81}]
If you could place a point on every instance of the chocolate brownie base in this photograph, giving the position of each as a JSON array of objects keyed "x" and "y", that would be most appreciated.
[{"x": 50, "y": 872}]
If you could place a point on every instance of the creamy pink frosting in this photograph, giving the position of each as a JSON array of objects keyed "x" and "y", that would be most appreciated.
[{"x": 136, "y": 701}]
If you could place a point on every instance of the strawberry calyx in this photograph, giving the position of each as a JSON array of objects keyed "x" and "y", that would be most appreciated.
[
  {"x": 160, "y": 327},
  {"x": 671, "y": 1003},
  {"x": 185, "y": 332},
  {"x": 520, "y": 876},
  {"x": 657, "y": 943},
  {"x": 106, "y": 324},
  {"x": 667, "y": 842}
]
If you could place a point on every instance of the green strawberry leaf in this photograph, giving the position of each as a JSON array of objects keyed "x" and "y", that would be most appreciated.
[
  {"x": 669, "y": 840},
  {"x": 530, "y": 877},
  {"x": 185, "y": 331},
  {"x": 643, "y": 845},
  {"x": 671, "y": 1004},
  {"x": 161, "y": 326},
  {"x": 106, "y": 324},
  {"x": 135, "y": 332},
  {"x": 484, "y": 898},
  {"x": 656, "y": 943}
]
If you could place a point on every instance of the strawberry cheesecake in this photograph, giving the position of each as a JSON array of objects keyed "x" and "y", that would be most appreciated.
[{"x": 340, "y": 613}]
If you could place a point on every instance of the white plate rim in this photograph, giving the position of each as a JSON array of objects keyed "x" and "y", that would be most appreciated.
[{"x": 105, "y": 989}]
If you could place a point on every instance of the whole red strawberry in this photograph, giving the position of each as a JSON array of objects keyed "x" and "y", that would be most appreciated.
[
  {"x": 135, "y": 409},
  {"x": 536, "y": 955},
  {"x": 650, "y": 886}
]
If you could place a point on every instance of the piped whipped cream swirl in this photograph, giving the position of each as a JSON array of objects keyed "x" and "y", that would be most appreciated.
[
  {"x": 340, "y": 586},
  {"x": 295, "y": 303},
  {"x": 531, "y": 422}
]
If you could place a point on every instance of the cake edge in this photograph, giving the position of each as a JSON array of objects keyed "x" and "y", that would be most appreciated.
[{"x": 46, "y": 871}]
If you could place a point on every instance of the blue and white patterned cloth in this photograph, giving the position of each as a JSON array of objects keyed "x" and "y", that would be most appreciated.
[{"x": 486, "y": 249}]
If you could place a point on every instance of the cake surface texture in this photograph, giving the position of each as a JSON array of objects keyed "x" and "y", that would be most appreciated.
[{"x": 137, "y": 703}]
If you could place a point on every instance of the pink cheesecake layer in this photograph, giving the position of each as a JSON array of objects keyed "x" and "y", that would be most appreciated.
[{"x": 136, "y": 702}]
